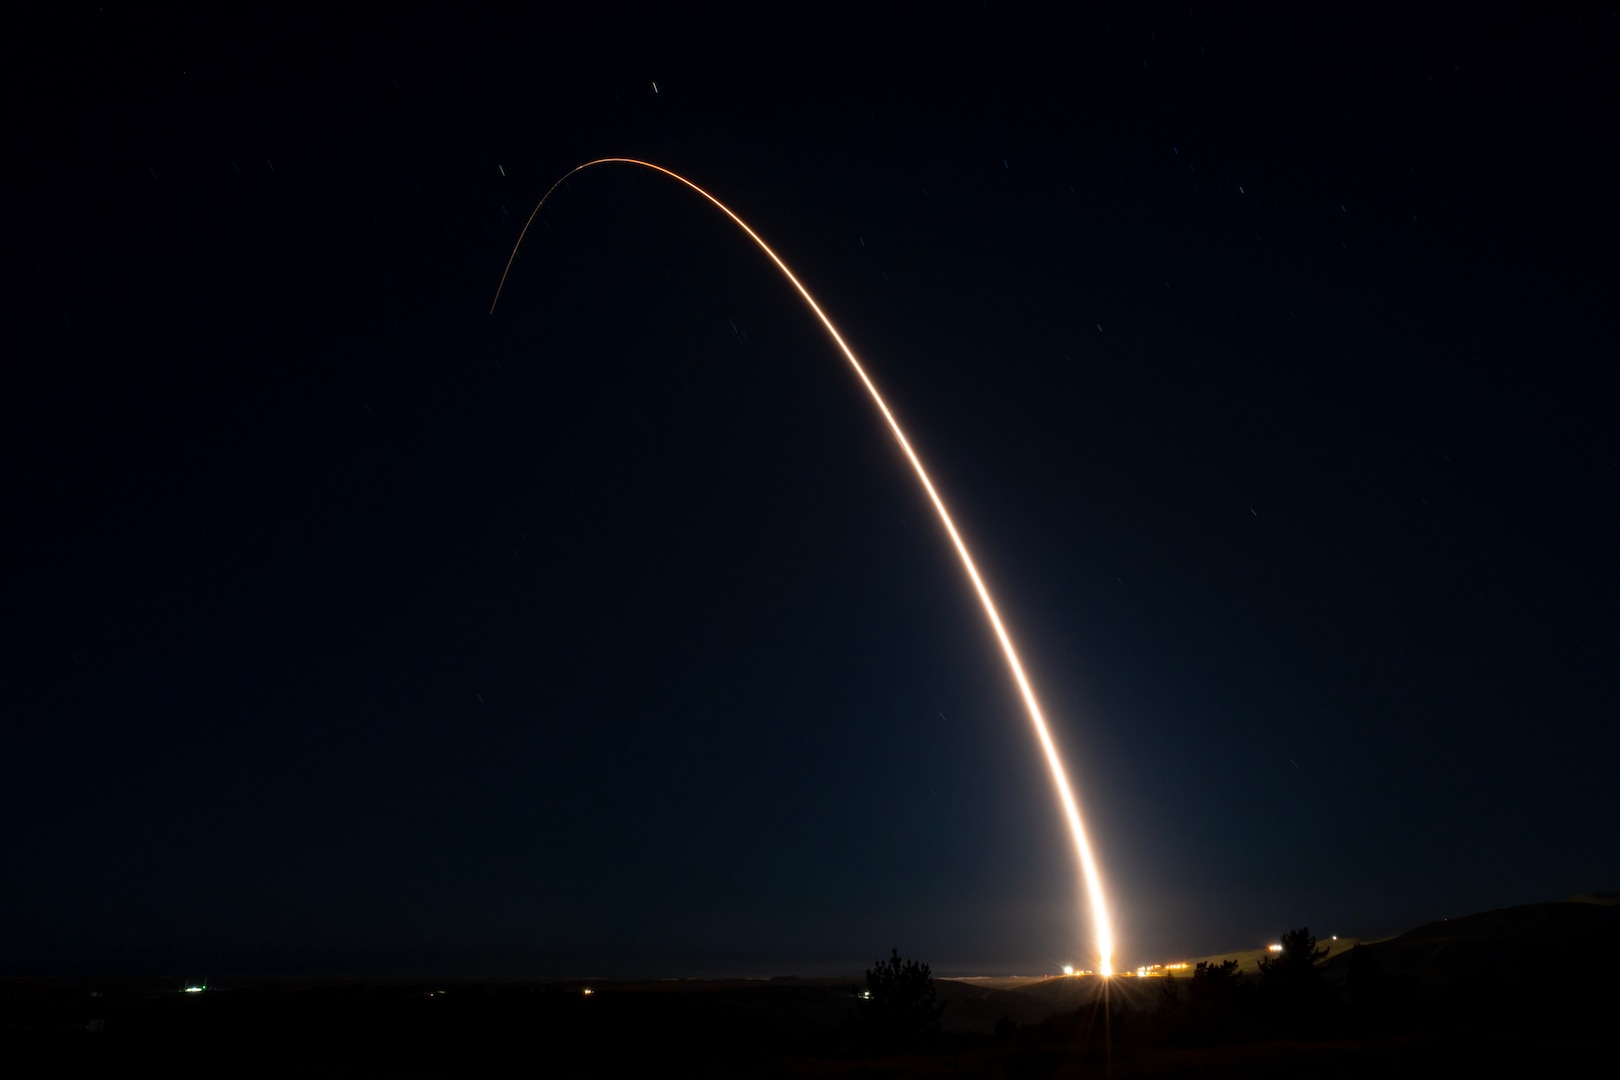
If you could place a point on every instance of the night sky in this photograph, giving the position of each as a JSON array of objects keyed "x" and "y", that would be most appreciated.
[{"x": 1268, "y": 367}]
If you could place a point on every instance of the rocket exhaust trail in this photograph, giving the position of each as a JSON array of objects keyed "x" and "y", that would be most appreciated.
[{"x": 1101, "y": 928}]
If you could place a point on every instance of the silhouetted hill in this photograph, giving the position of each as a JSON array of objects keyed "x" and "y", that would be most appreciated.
[
  {"x": 1530, "y": 989},
  {"x": 1568, "y": 939}
]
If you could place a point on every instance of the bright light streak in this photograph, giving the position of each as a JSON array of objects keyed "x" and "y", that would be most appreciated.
[
  {"x": 1102, "y": 929},
  {"x": 1274, "y": 948},
  {"x": 1068, "y": 969}
]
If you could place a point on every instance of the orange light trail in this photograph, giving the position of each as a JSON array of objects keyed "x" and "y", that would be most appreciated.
[{"x": 1101, "y": 928}]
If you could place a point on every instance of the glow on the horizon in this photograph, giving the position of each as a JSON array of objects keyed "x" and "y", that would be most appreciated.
[{"x": 1102, "y": 929}]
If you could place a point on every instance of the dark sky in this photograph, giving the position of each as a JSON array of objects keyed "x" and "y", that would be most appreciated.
[{"x": 1268, "y": 366}]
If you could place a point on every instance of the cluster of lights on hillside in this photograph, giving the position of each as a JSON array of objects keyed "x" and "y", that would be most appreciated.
[
  {"x": 1148, "y": 971},
  {"x": 1144, "y": 972}
]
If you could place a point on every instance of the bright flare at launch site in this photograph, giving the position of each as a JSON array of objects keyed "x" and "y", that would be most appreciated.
[{"x": 1102, "y": 931}]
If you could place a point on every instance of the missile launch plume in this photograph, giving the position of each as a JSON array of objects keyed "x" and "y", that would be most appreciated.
[{"x": 1102, "y": 931}]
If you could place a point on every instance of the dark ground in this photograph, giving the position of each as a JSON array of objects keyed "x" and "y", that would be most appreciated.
[{"x": 1526, "y": 990}]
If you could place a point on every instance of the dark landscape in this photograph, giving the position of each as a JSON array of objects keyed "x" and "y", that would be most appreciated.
[{"x": 1530, "y": 989}]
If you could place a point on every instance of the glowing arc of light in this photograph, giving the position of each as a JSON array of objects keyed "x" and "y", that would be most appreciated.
[{"x": 1101, "y": 926}]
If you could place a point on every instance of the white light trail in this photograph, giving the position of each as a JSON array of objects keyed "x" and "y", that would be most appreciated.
[{"x": 1092, "y": 880}]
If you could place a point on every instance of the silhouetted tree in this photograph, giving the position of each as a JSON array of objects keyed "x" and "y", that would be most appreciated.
[
  {"x": 1292, "y": 987},
  {"x": 1213, "y": 982},
  {"x": 1297, "y": 961},
  {"x": 1212, "y": 995},
  {"x": 899, "y": 1002},
  {"x": 1169, "y": 993},
  {"x": 1167, "y": 1017},
  {"x": 1360, "y": 982}
]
